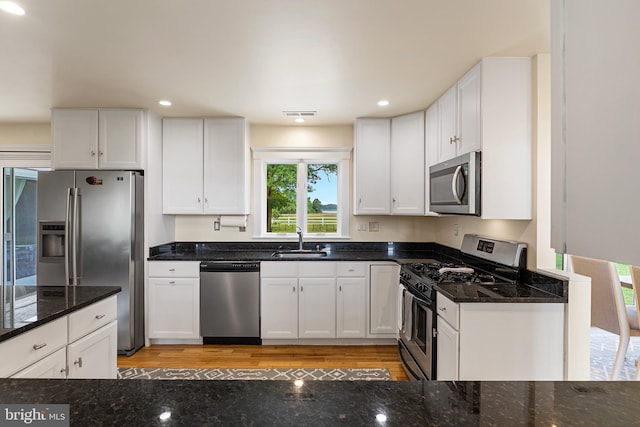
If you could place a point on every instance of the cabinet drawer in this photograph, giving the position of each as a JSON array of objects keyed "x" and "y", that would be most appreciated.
[
  {"x": 448, "y": 310},
  {"x": 351, "y": 269},
  {"x": 25, "y": 349},
  {"x": 174, "y": 269},
  {"x": 316, "y": 269},
  {"x": 278, "y": 269},
  {"x": 90, "y": 318}
]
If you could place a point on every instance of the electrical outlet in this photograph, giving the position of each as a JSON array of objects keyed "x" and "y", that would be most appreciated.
[
  {"x": 455, "y": 229},
  {"x": 362, "y": 226},
  {"x": 374, "y": 227}
]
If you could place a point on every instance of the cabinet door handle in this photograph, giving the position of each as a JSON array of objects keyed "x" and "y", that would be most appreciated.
[
  {"x": 340, "y": 288},
  {"x": 93, "y": 153},
  {"x": 100, "y": 153},
  {"x": 294, "y": 289},
  {"x": 39, "y": 346},
  {"x": 198, "y": 200},
  {"x": 78, "y": 362},
  {"x": 100, "y": 316},
  {"x": 301, "y": 288},
  {"x": 443, "y": 309}
]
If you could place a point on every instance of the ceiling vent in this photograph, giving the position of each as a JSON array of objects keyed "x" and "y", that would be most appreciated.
[{"x": 302, "y": 114}]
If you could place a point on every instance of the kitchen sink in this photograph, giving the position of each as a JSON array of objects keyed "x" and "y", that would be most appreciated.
[{"x": 299, "y": 253}]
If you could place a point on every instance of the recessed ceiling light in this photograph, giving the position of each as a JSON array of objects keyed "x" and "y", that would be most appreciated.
[
  {"x": 299, "y": 120},
  {"x": 165, "y": 103},
  {"x": 11, "y": 7},
  {"x": 383, "y": 103}
]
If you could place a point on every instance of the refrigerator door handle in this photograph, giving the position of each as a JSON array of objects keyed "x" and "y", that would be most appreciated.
[
  {"x": 67, "y": 233},
  {"x": 74, "y": 241}
]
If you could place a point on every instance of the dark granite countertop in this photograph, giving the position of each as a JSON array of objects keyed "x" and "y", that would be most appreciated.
[
  {"x": 263, "y": 251},
  {"x": 27, "y": 307},
  {"x": 533, "y": 288},
  {"x": 503, "y": 293},
  {"x": 331, "y": 403}
]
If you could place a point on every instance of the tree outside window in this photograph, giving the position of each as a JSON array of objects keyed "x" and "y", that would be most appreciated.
[{"x": 320, "y": 184}]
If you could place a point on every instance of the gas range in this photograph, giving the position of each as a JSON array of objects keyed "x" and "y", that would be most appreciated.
[
  {"x": 495, "y": 266},
  {"x": 483, "y": 265}
]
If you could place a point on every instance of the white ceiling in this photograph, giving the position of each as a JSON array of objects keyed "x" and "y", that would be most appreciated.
[{"x": 253, "y": 58}]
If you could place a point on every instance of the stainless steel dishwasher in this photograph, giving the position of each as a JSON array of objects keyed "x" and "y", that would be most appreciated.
[{"x": 230, "y": 302}]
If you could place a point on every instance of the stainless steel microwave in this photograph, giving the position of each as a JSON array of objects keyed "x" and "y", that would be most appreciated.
[{"x": 455, "y": 185}]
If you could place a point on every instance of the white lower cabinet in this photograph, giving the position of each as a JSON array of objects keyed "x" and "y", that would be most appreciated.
[
  {"x": 52, "y": 366},
  {"x": 500, "y": 341},
  {"x": 351, "y": 300},
  {"x": 447, "y": 351},
  {"x": 94, "y": 356},
  {"x": 83, "y": 344},
  {"x": 351, "y": 319},
  {"x": 383, "y": 291},
  {"x": 297, "y": 300},
  {"x": 317, "y": 307},
  {"x": 173, "y": 299},
  {"x": 278, "y": 307},
  {"x": 328, "y": 300}
]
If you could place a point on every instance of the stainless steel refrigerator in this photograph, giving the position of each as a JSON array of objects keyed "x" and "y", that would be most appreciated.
[{"x": 90, "y": 233}]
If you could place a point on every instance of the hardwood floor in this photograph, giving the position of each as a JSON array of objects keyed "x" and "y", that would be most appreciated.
[{"x": 267, "y": 356}]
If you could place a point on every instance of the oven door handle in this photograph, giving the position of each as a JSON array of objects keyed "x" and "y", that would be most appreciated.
[{"x": 422, "y": 301}]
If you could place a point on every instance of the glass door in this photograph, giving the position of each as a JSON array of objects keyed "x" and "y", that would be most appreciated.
[
  {"x": 20, "y": 226},
  {"x": 19, "y": 233}
]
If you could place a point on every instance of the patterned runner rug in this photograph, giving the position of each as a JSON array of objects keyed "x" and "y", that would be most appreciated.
[{"x": 351, "y": 374}]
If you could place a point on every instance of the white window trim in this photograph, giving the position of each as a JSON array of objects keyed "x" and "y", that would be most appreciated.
[{"x": 302, "y": 157}]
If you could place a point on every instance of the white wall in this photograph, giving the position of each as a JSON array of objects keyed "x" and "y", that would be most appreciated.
[{"x": 22, "y": 134}]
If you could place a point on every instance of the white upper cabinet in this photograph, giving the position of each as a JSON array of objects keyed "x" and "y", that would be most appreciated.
[
  {"x": 448, "y": 125},
  {"x": 98, "y": 138},
  {"x": 205, "y": 166},
  {"x": 489, "y": 110},
  {"x": 372, "y": 183},
  {"x": 407, "y": 164},
  {"x": 459, "y": 111},
  {"x": 226, "y": 166},
  {"x": 389, "y": 165},
  {"x": 182, "y": 166}
]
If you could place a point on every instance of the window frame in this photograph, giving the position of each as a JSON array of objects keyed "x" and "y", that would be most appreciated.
[{"x": 302, "y": 157}]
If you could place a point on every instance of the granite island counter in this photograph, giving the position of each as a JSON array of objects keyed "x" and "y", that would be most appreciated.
[
  {"x": 59, "y": 332},
  {"x": 330, "y": 403}
]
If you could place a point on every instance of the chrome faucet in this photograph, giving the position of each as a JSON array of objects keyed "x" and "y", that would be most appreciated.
[{"x": 299, "y": 231}]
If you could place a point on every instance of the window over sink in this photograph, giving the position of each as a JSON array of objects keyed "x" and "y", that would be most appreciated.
[{"x": 301, "y": 188}]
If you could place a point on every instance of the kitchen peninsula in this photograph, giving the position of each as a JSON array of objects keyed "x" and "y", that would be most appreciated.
[
  {"x": 59, "y": 332},
  {"x": 331, "y": 403}
]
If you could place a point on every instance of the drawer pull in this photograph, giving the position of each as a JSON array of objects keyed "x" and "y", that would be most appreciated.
[
  {"x": 100, "y": 316},
  {"x": 442, "y": 309},
  {"x": 172, "y": 269},
  {"x": 78, "y": 362},
  {"x": 39, "y": 346},
  {"x": 172, "y": 282}
]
